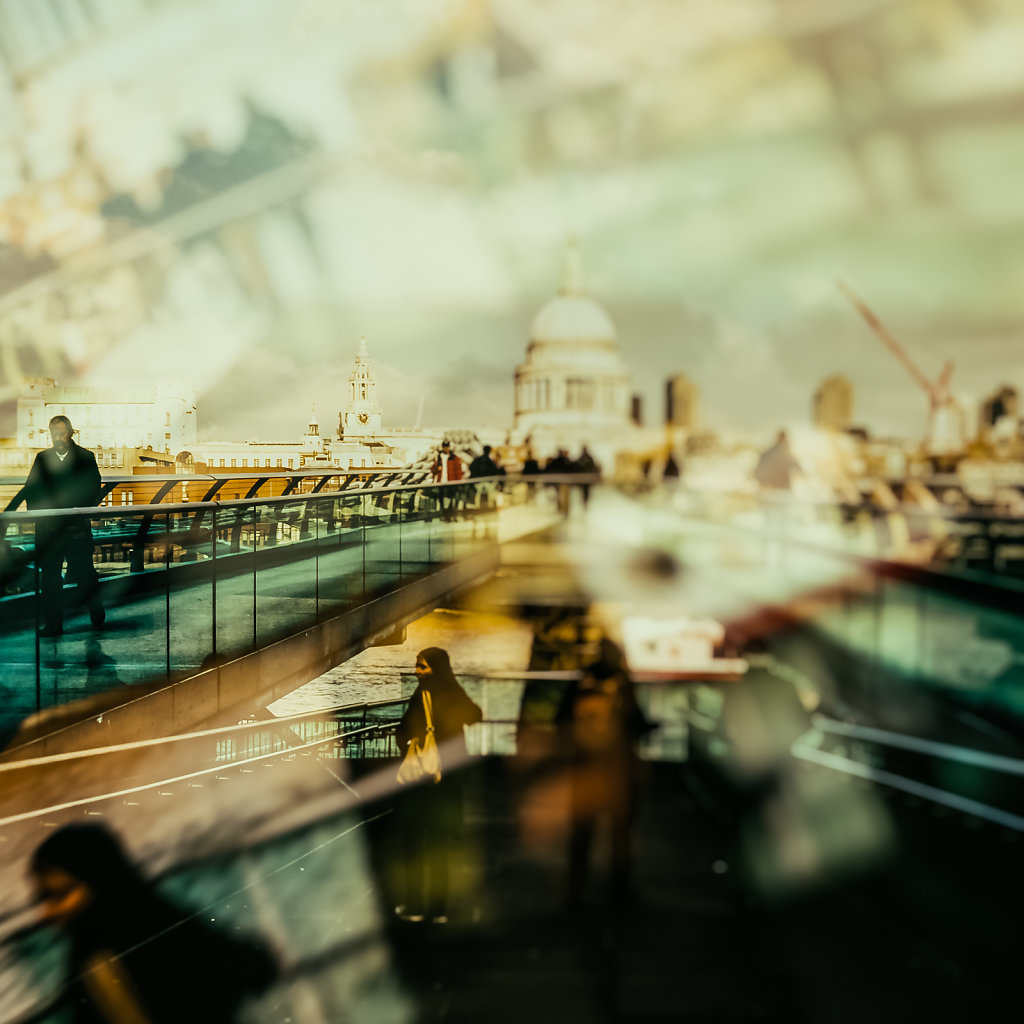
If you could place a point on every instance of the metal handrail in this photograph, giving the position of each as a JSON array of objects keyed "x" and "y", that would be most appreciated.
[{"x": 124, "y": 511}]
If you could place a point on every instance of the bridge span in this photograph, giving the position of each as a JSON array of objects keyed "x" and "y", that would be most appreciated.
[{"x": 831, "y": 834}]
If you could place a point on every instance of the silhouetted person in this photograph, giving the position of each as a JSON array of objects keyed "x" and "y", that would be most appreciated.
[
  {"x": 586, "y": 464},
  {"x": 560, "y": 465},
  {"x": 430, "y": 814},
  {"x": 670, "y": 472},
  {"x": 484, "y": 466},
  {"x": 133, "y": 956},
  {"x": 64, "y": 476},
  {"x": 600, "y": 722},
  {"x": 531, "y": 467},
  {"x": 776, "y": 466}
]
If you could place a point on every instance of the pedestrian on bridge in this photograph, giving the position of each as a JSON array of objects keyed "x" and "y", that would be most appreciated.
[
  {"x": 430, "y": 814},
  {"x": 485, "y": 466},
  {"x": 64, "y": 476},
  {"x": 560, "y": 465},
  {"x": 447, "y": 468},
  {"x": 587, "y": 465}
]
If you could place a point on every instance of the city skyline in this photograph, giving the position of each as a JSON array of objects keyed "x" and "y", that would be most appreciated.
[{"x": 416, "y": 183}]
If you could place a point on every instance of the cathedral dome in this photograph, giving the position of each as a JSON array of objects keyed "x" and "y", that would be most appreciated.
[{"x": 572, "y": 317}]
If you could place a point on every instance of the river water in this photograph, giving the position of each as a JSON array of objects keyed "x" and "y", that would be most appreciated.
[{"x": 479, "y": 644}]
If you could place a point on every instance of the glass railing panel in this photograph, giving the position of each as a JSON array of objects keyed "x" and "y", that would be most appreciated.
[
  {"x": 189, "y": 590},
  {"x": 412, "y": 547},
  {"x": 436, "y": 502},
  {"x": 133, "y": 590},
  {"x": 233, "y": 567},
  {"x": 19, "y": 608},
  {"x": 382, "y": 547},
  {"x": 339, "y": 553},
  {"x": 283, "y": 576}
]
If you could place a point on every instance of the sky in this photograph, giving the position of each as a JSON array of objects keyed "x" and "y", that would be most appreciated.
[{"x": 717, "y": 186}]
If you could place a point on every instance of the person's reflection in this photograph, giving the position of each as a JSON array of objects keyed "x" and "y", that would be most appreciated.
[
  {"x": 600, "y": 723},
  {"x": 135, "y": 958},
  {"x": 100, "y": 667}
]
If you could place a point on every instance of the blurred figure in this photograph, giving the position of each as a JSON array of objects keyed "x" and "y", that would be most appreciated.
[
  {"x": 63, "y": 476},
  {"x": 430, "y": 814},
  {"x": 776, "y": 466},
  {"x": 484, "y": 466},
  {"x": 531, "y": 468},
  {"x": 774, "y": 475},
  {"x": 447, "y": 468},
  {"x": 586, "y": 464},
  {"x": 670, "y": 472},
  {"x": 600, "y": 723},
  {"x": 135, "y": 958},
  {"x": 560, "y": 465}
]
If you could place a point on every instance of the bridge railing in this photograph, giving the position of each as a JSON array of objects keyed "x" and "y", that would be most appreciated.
[
  {"x": 156, "y": 488},
  {"x": 881, "y": 624},
  {"x": 945, "y": 537},
  {"x": 195, "y": 583}
]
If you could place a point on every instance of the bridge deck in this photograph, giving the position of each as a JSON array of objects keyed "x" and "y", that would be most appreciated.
[
  {"x": 925, "y": 938},
  {"x": 171, "y": 623},
  {"x": 929, "y": 935}
]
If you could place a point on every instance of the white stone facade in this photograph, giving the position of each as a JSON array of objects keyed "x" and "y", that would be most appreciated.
[{"x": 160, "y": 417}]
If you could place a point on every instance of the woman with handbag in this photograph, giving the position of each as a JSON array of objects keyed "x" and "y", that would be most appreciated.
[{"x": 430, "y": 813}]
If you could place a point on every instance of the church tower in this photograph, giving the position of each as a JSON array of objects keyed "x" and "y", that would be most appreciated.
[{"x": 361, "y": 417}]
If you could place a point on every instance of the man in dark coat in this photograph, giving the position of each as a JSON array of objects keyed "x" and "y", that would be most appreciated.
[
  {"x": 484, "y": 465},
  {"x": 64, "y": 476}
]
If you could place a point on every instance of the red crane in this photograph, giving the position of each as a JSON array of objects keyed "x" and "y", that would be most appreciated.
[{"x": 938, "y": 390}]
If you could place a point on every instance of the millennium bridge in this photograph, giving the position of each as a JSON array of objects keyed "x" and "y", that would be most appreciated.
[{"x": 830, "y": 825}]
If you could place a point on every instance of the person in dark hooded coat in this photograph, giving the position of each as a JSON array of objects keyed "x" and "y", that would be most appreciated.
[{"x": 431, "y": 812}]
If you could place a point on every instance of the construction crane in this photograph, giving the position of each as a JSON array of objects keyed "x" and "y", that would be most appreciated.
[{"x": 942, "y": 433}]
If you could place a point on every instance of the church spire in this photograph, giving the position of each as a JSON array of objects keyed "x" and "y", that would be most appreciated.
[{"x": 573, "y": 282}]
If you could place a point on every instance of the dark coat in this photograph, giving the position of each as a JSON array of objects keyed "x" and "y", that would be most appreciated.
[
  {"x": 484, "y": 465},
  {"x": 180, "y": 968},
  {"x": 73, "y": 483},
  {"x": 559, "y": 465},
  {"x": 586, "y": 464},
  {"x": 452, "y": 710},
  {"x": 599, "y": 715}
]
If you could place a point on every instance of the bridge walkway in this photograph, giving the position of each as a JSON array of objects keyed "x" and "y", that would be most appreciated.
[
  {"x": 926, "y": 936},
  {"x": 182, "y": 619}
]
